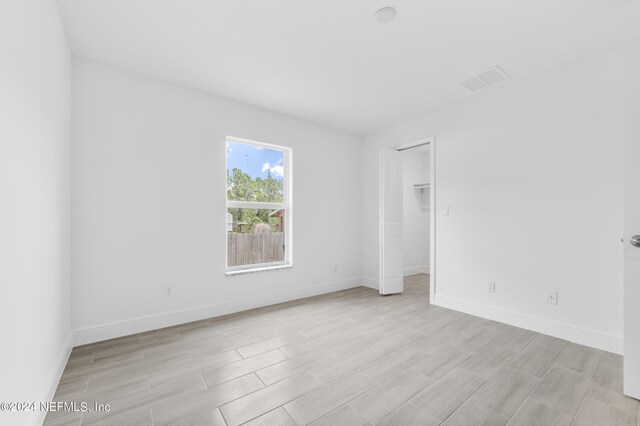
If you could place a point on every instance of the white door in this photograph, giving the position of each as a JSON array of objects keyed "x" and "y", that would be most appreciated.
[
  {"x": 632, "y": 228},
  {"x": 390, "y": 222}
]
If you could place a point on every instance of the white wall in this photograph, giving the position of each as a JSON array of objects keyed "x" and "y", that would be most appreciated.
[
  {"x": 34, "y": 202},
  {"x": 149, "y": 204},
  {"x": 415, "y": 237},
  {"x": 532, "y": 173}
]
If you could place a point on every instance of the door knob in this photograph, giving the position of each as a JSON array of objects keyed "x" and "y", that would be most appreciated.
[{"x": 635, "y": 241}]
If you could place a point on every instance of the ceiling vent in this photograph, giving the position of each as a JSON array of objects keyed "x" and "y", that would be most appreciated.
[{"x": 488, "y": 78}]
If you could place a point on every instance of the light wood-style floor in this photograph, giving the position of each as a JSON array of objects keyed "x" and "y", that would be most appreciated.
[{"x": 346, "y": 358}]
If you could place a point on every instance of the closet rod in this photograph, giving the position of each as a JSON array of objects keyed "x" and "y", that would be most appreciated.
[{"x": 415, "y": 146}]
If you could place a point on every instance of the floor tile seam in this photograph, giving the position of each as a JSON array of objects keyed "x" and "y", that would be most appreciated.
[{"x": 554, "y": 364}]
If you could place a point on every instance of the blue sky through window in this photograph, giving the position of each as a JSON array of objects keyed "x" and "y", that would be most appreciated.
[{"x": 255, "y": 160}]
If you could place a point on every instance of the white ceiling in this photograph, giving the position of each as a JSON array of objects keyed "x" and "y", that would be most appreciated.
[{"x": 328, "y": 61}]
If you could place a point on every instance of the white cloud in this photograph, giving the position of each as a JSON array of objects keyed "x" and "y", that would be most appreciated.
[{"x": 277, "y": 171}]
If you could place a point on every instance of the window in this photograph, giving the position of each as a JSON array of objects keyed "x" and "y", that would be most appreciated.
[{"x": 258, "y": 206}]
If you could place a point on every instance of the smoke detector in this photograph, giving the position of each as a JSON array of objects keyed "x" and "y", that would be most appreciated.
[
  {"x": 385, "y": 15},
  {"x": 493, "y": 75}
]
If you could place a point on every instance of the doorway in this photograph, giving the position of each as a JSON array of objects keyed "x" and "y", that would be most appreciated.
[{"x": 407, "y": 219}]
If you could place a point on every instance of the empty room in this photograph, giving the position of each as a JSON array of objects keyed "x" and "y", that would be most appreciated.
[{"x": 236, "y": 212}]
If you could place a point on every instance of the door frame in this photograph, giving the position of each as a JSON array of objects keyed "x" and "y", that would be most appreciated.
[
  {"x": 631, "y": 255},
  {"x": 432, "y": 219},
  {"x": 431, "y": 141}
]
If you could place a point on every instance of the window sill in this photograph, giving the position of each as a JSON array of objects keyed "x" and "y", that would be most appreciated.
[{"x": 259, "y": 269}]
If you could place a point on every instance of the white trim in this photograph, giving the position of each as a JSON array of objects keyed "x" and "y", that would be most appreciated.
[
  {"x": 258, "y": 268},
  {"x": 288, "y": 215},
  {"x": 412, "y": 270},
  {"x": 63, "y": 358},
  {"x": 432, "y": 221},
  {"x": 583, "y": 336},
  {"x": 370, "y": 283},
  {"x": 153, "y": 322}
]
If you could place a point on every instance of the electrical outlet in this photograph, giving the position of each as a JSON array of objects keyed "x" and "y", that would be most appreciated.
[
  {"x": 492, "y": 287},
  {"x": 167, "y": 292},
  {"x": 445, "y": 211},
  {"x": 551, "y": 297}
]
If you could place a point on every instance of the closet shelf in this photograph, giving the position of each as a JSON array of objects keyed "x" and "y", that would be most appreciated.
[{"x": 422, "y": 194}]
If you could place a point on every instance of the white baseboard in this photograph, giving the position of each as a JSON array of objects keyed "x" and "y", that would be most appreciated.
[
  {"x": 49, "y": 393},
  {"x": 412, "y": 270},
  {"x": 138, "y": 325},
  {"x": 371, "y": 283},
  {"x": 574, "y": 334},
  {"x": 154, "y": 322}
]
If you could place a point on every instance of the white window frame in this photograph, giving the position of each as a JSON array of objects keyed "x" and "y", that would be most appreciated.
[{"x": 285, "y": 205}]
